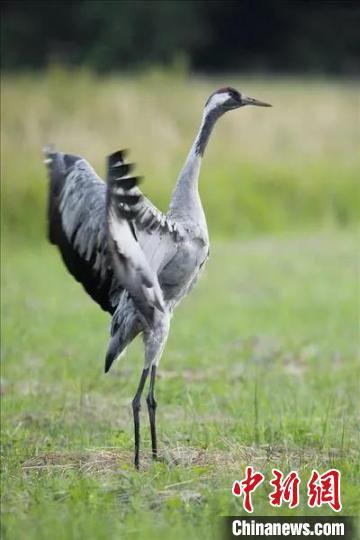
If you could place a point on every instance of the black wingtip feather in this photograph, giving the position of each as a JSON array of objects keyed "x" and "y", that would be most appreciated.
[
  {"x": 128, "y": 183},
  {"x": 120, "y": 184},
  {"x": 118, "y": 171},
  {"x": 119, "y": 177},
  {"x": 116, "y": 157}
]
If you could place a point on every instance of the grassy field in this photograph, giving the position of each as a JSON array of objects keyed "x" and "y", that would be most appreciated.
[
  {"x": 261, "y": 366},
  {"x": 293, "y": 166}
]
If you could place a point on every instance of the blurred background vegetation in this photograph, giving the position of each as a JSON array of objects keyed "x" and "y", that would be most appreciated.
[
  {"x": 265, "y": 170},
  {"x": 91, "y": 77},
  {"x": 320, "y": 37}
]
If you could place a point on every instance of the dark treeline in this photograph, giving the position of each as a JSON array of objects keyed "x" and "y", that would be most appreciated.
[{"x": 320, "y": 37}]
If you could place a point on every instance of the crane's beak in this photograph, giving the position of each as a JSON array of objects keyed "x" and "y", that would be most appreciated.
[{"x": 245, "y": 100}]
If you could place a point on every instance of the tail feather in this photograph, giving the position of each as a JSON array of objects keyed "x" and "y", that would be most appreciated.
[
  {"x": 115, "y": 350},
  {"x": 125, "y": 327}
]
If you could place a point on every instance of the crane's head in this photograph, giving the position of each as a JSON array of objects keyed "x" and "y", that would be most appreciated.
[{"x": 226, "y": 99}]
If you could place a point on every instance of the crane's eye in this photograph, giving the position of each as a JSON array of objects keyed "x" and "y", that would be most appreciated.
[{"x": 235, "y": 95}]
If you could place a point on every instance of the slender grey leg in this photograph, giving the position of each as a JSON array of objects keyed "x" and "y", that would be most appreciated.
[
  {"x": 151, "y": 403},
  {"x": 136, "y": 405}
]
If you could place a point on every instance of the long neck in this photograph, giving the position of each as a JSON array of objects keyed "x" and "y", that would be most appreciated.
[{"x": 185, "y": 199}]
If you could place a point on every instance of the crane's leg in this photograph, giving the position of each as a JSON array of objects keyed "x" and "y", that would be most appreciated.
[
  {"x": 151, "y": 403},
  {"x": 154, "y": 341},
  {"x": 136, "y": 405}
]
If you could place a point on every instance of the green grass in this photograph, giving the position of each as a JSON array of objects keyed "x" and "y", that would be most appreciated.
[{"x": 260, "y": 369}]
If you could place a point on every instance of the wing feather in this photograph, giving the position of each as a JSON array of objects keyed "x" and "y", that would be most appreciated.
[
  {"x": 110, "y": 236},
  {"x": 129, "y": 260},
  {"x": 77, "y": 225}
]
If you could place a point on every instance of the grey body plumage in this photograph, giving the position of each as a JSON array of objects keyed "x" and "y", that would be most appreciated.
[{"x": 135, "y": 262}]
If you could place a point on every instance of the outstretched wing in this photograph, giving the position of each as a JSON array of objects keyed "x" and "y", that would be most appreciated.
[
  {"x": 110, "y": 236},
  {"x": 158, "y": 235},
  {"x": 129, "y": 261},
  {"x": 77, "y": 225}
]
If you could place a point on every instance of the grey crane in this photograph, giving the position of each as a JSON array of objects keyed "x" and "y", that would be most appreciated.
[{"x": 134, "y": 261}]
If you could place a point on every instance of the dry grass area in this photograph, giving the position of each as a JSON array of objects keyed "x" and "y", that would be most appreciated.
[{"x": 235, "y": 459}]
